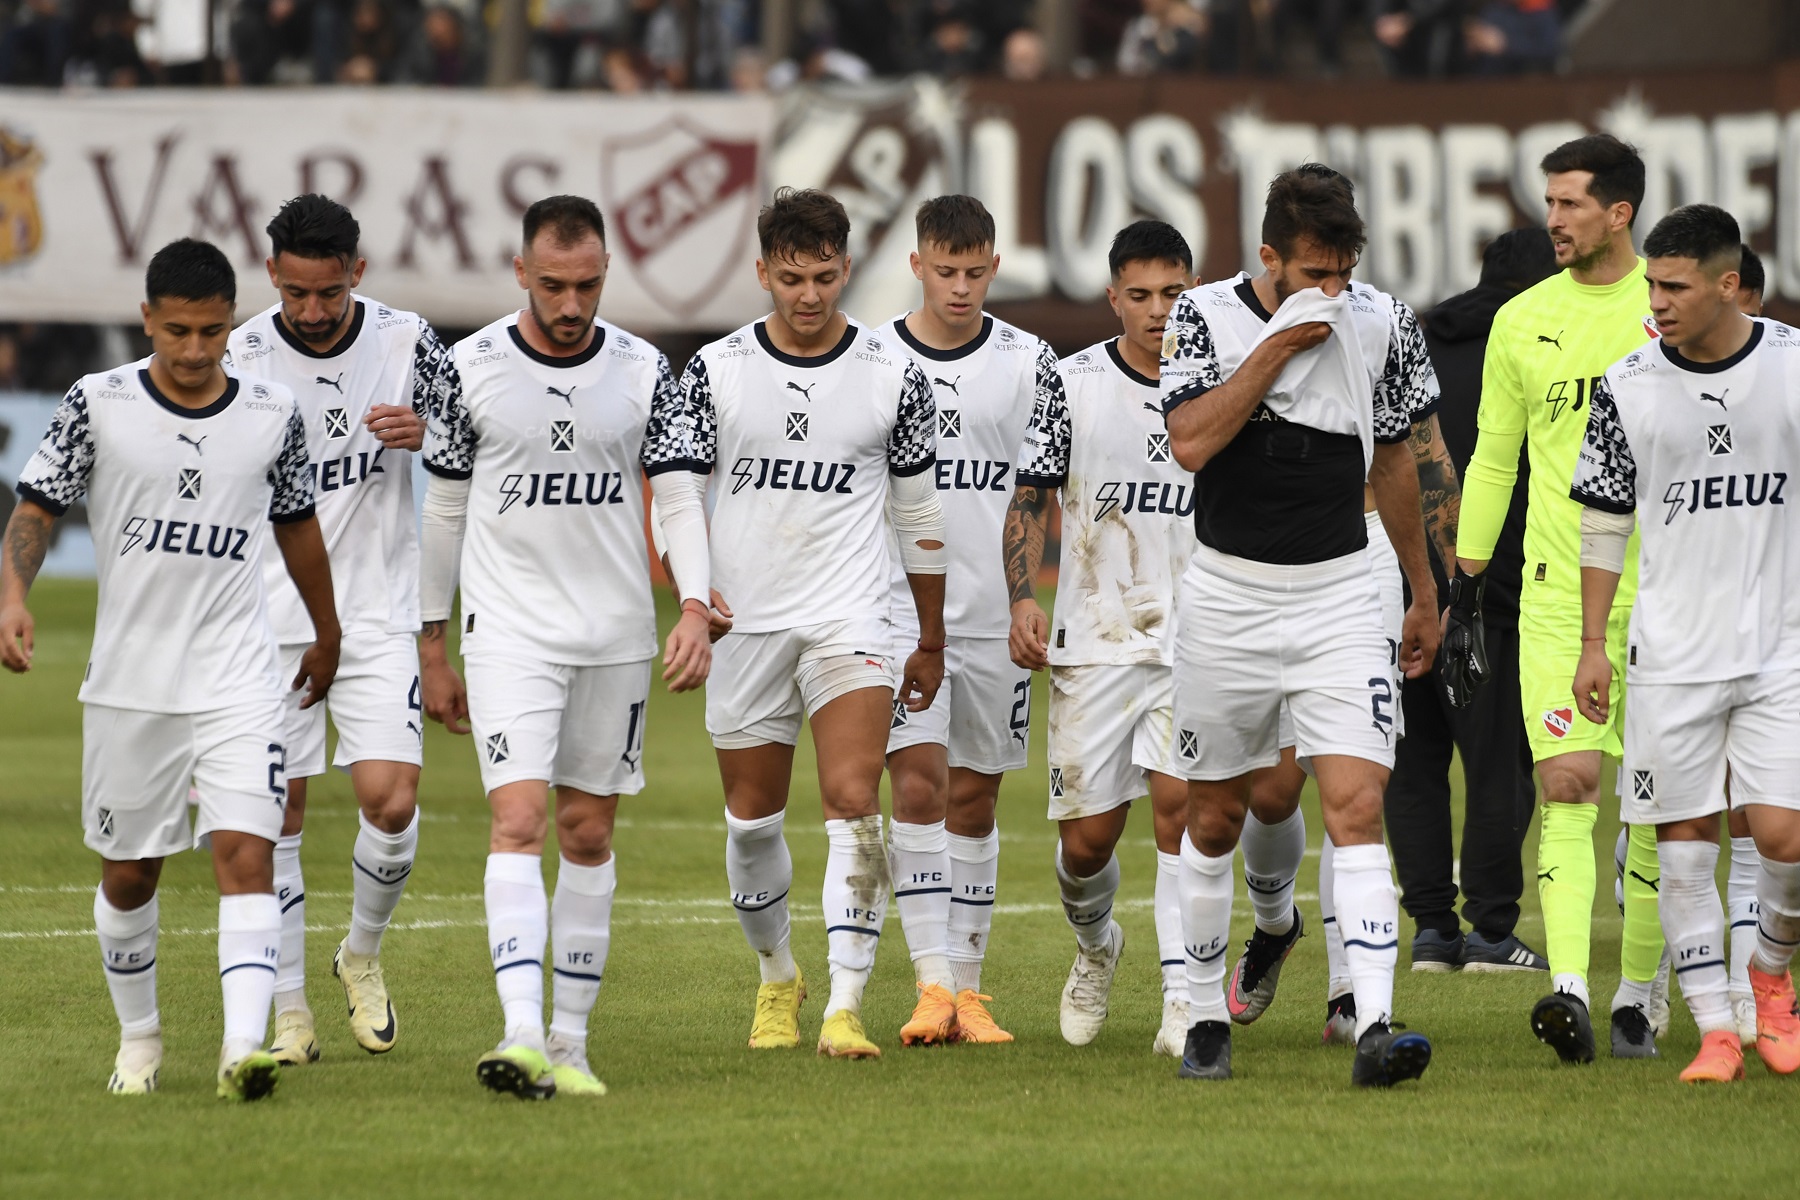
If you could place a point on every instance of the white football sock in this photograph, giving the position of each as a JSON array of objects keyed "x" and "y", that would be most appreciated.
[
  {"x": 855, "y": 903},
  {"x": 1741, "y": 910},
  {"x": 128, "y": 952},
  {"x": 249, "y": 946},
  {"x": 1206, "y": 894},
  {"x": 1272, "y": 858},
  {"x": 1088, "y": 903},
  {"x": 379, "y": 865},
  {"x": 1337, "y": 967},
  {"x": 1693, "y": 924},
  {"x": 1168, "y": 926},
  {"x": 290, "y": 892},
  {"x": 518, "y": 924},
  {"x": 580, "y": 932},
  {"x": 919, "y": 857},
  {"x": 1778, "y": 924},
  {"x": 974, "y": 875},
  {"x": 1368, "y": 909},
  {"x": 759, "y": 871}
]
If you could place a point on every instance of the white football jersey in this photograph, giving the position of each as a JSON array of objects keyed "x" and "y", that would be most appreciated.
[
  {"x": 554, "y": 563},
  {"x": 363, "y": 489},
  {"x": 1702, "y": 452},
  {"x": 1127, "y": 511},
  {"x": 179, "y": 504},
  {"x": 985, "y": 392},
  {"x": 800, "y": 534}
]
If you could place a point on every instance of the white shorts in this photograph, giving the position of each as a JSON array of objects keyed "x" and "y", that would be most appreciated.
[
  {"x": 374, "y": 703},
  {"x": 763, "y": 683},
  {"x": 579, "y": 727},
  {"x": 1253, "y": 638},
  {"x": 982, "y": 713},
  {"x": 136, "y": 768},
  {"x": 1679, "y": 738},
  {"x": 1108, "y": 726}
]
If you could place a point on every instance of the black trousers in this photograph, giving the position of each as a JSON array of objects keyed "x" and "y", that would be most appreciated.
[{"x": 1498, "y": 796}]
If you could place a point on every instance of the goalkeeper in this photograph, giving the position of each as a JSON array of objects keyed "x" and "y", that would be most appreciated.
[{"x": 1547, "y": 348}]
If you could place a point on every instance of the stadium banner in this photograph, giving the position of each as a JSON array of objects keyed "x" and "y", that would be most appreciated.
[{"x": 92, "y": 184}]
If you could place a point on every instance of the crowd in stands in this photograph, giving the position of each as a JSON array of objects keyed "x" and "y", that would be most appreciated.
[{"x": 635, "y": 45}]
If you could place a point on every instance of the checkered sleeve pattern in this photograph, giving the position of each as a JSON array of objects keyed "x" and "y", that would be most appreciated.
[
  {"x": 56, "y": 475},
  {"x": 291, "y": 476},
  {"x": 912, "y": 443},
  {"x": 1044, "y": 458},
  {"x": 1190, "y": 361},
  {"x": 450, "y": 434},
  {"x": 1408, "y": 391},
  {"x": 1606, "y": 473},
  {"x": 683, "y": 432},
  {"x": 435, "y": 382}
]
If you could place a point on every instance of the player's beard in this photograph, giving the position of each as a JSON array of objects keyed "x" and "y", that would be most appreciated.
[
  {"x": 562, "y": 335},
  {"x": 331, "y": 330},
  {"x": 1587, "y": 260}
]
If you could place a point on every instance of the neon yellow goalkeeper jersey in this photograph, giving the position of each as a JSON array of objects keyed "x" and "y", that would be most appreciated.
[{"x": 1548, "y": 347}]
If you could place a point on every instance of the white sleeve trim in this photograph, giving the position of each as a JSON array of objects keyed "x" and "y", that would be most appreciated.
[
  {"x": 1604, "y": 536},
  {"x": 916, "y": 516},
  {"x": 678, "y": 528},
  {"x": 444, "y": 517}
]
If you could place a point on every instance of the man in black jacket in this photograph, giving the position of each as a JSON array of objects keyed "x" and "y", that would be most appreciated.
[{"x": 1490, "y": 733}]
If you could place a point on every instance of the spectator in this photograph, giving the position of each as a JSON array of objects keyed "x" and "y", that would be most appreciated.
[
  {"x": 1023, "y": 56},
  {"x": 818, "y": 62},
  {"x": 1515, "y": 37},
  {"x": 872, "y": 31},
  {"x": 1498, "y": 793},
  {"x": 443, "y": 52},
  {"x": 748, "y": 73},
  {"x": 34, "y": 46},
  {"x": 1421, "y": 38},
  {"x": 717, "y": 28},
  {"x": 623, "y": 70},
  {"x": 371, "y": 46},
  {"x": 572, "y": 38},
  {"x": 1101, "y": 26},
  {"x": 953, "y": 43},
  {"x": 1166, "y": 38},
  {"x": 271, "y": 42}
]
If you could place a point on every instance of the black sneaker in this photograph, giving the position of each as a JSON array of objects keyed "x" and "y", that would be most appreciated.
[
  {"x": 1208, "y": 1051},
  {"x": 1435, "y": 951},
  {"x": 1506, "y": 954},
  {"x": 1258, "y": 970},
  {"x": 1561, "y": 1022},
  {"x": 1386, "y": 1056},
  {"x": 1340, "y": 1021},
  {"x": 1631, "y": 1033}
]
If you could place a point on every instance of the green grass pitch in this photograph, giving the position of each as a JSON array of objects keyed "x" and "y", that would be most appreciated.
[{"x": 692, "y": 1112}]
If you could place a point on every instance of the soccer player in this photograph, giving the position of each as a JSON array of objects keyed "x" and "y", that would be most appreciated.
[
  {"x": 817, "y": 422},
  {"x": 1751, "y": 281},
  {"x": 946, "y": 762},
  {"x": 185, "y": 465},
  {"x": 1279, "y": 393},
  {"x": 1127, "y": 535},
  {"x": 1698, "y": 432},
  {"x": 1547, "y": 348},
  {"x": 535, "y": 496},
  {"x": 366, "y": 378}
]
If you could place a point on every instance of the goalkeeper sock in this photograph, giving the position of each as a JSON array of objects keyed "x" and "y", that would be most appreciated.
[{"x": 1565, "y": 874}]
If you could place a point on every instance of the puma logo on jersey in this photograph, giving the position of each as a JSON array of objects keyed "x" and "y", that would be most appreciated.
[
  {"x": 1556, "y": 341},
  {"x": 195, "y": 443},
  {"x": 1718, "y": 400},
  {"x": 1722, "y": 491},
  {"x": 1155, "y": 408},
  {"x": 337, "y": 383},
  {"x": 805, "y": 390},
  {"x": 568, "y": 397},
  {"x": 949, "y": 383}
]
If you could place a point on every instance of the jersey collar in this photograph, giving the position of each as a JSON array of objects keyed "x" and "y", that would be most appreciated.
[
  {"x": 343, "y": 343},
  {"x": 559, "y": 360},
  {"x": 817, "y": 360},
  {"x": 1247, "y": 294},
  {"x": 1676, "y": 358},
  {"x": 193, "y": 414},
  {"x": 1130, "y": 372},
  {"x": 963, "y": 351}
]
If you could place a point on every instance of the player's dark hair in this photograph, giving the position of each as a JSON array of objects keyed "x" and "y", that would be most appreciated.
[
  {"x": 803, "y": 221},
  {"x": 1318, "y": 170},
  {"x": 1750, "y": 271},
  {"x": 1149, "y": 241},
  {"x": 190, "y": 270},
  {"x": 1617, "y": 169},
  {"x": 1705, "y": 233},
  {"x": 567, "y": 218},
  {"x": 1518, "y": 258},
  {"x": 314, "y": 226},
  {"x": 955, "y": 224},
  {"x": 1321, "y": 207}
]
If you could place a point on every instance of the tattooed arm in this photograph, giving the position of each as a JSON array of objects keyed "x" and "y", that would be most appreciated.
[
  {"x": 1027, "y": 520},
  {"x": 27, "y": 541},
  {"x": 1440, "y": 494}
]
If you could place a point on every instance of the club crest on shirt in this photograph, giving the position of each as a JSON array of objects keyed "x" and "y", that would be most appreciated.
[
  {"x": 796, "y": 427},
  {"x": 1189, "y": 744},
  {"x": 1718, "y": 440},
  {"x": 1558, "y": 722},
  {"x": 562, "y": 437},
  {"x": 1056, "y": 783},
  {"x": 1156, "y": 446},
  {"x": 187, "y": 484},
  {"x": 949, "y": 422},
  {"x": 337, "y": 423},
  {"x": 1643, "y": 785},
  {"x": 497, "y": 751}
]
